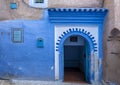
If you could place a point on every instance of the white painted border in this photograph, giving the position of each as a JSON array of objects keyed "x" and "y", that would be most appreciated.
[
  {"x": 93, "y": 29},
  {"x": 56, "y": 65},
  {"x": 38, "y": 5}
]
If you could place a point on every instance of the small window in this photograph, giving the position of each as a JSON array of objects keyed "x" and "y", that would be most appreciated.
[
  {"x": 13, "y": 5},
  {"x": 39, "y": 1},
  {"x": 39, "y": 42},
  {"x": 17, "y": 35},
  {"x": 73, "y": 39}
]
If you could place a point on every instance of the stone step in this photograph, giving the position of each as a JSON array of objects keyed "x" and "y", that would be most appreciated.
[{"x": 32, "y": 82}]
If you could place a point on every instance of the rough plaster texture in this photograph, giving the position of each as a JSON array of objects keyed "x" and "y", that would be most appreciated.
[
  {"x": 72, "y": 3},
  {"x": 117, "y": 14},
  {"x": 75, "y": 3},
  {"x": 111, "y": 61},
  {"x": 24, "y": 11}
]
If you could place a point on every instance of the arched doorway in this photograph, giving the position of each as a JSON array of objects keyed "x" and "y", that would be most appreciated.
[
  {"x": 90, "y": 65},
  {"x": 76, "y": 65}
]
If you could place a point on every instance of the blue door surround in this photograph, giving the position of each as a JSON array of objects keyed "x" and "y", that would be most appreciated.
[
  {"x": 60, "y": 47},
  {"x": 68, "y": 16}
]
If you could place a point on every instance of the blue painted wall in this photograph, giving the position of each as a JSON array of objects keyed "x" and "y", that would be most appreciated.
[{"x": 25, "y": 60}]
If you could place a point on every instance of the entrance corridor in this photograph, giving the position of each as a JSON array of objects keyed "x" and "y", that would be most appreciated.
[
  {"x": 74, "y": 75},
  {"x": 75, "y": 59}
]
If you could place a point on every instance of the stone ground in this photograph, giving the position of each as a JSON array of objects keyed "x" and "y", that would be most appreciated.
[{"x": 31, "y": 82}]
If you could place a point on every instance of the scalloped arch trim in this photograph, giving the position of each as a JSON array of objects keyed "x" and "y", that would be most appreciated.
[{"x": 85, "y": 34}]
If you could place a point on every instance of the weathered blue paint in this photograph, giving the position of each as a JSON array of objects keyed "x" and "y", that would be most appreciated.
[
  {"x": 27, "y": 61},
  {"x": 78, "y": 15},
  {"x": 87, "y": 62},
  {"x": 77, "y": 31},
  {"x": 74, "y": 17}
]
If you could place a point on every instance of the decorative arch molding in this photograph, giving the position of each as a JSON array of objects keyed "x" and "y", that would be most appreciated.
[
  {"x": 77, "y": 31},
  {"x": 92, "y": 55},
  {"x": 85, "y": 22}
]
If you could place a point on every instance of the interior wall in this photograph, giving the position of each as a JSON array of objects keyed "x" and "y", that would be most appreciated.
[
  {"x": 80, "y": 41},
  {"x": 74, "y": 53},
  {"x": 73, "y": 56}
]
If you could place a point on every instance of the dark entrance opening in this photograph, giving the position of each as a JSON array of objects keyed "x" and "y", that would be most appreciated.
[{"x": 74, "y": 59}]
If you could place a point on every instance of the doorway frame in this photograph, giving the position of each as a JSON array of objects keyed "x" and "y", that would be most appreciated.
[
  {"x": 77, "y": 17},
  {"x": 86, "y": 63},
  {"x": 59, "y": 54}
]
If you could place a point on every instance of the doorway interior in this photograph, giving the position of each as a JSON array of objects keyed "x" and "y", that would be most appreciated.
[{"x": 76, "y": 66}]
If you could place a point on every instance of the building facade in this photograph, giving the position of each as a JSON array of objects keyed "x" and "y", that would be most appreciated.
[{"x": 40, "y": 39}]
